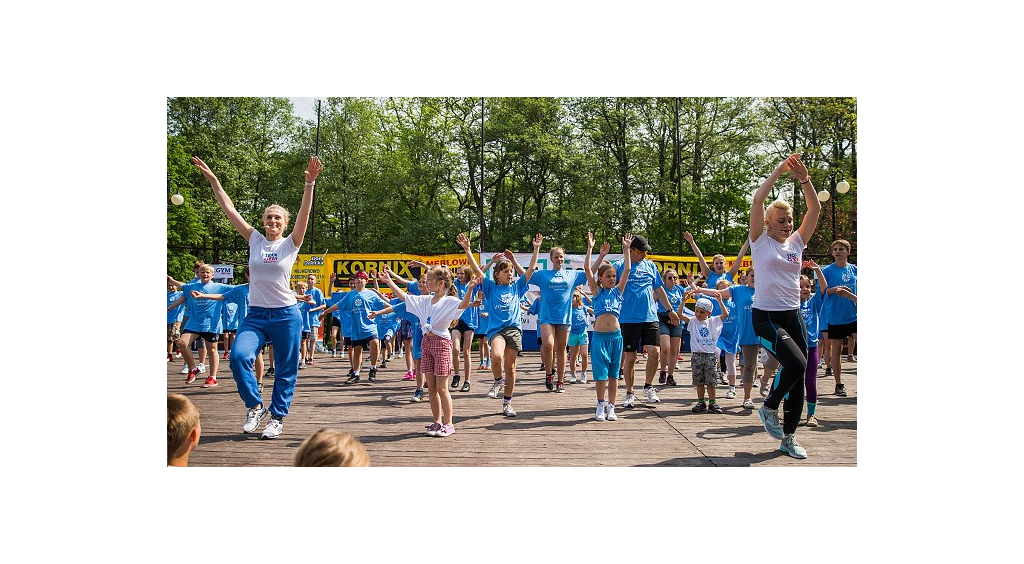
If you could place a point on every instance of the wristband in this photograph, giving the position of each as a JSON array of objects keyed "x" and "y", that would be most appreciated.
[
  {"x": 310, "y": 184},
  {"x": 806, "y": 180}
]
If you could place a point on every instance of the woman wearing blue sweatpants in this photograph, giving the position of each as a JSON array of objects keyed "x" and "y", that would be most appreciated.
[{"x": 273, "y": 311}]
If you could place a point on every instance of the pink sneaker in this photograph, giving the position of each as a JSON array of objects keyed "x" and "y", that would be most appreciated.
[
  {"x": 434, "y": 428},
  {"x": 445, "y": 431},
  {"x": 409, "y": 376}
]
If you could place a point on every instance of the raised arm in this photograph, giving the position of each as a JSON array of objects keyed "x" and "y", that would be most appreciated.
[
  {"x": 704, "y": 270},
  {"x": 463, "y": 242},
  {"x": 385, "y": 274},
  {"x": 627, "y": 240},
  {"x": 605, "y": 247},
  {"x": 706, "y": 291},
  {"x": 735, "y": 268},
  {"x": 302, "y": 218},
  {"x": 537, "y": 240},
  {"x": 470, "y": 288},
  {"x": 761, "y": 194},
  {"x": 822, "y": 283},
  {"x": 810, "y": 220},
  {"x": 721, "y": 304},
  {"x": 591, "y": 282},
  {"x": 515, "y": 264},
  {"x": 175, "y": 283},
  {"x": 384, "y": 311},
  {"x": 243, "y": 227}
]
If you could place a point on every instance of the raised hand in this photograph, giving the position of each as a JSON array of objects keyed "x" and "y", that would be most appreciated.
[
  {"x": 605, "y": 247},
  {"x": 809, "y": 263},
  {"x": 203, "y": 168},
  {"x": 687, "y": 236},
  {"x": 463, "y": 241},
  {"x": 314, "y": 168},
  {"x": 537, "y": 240},
  {"x": 590, "y": 239},
  {"x": 796, "y": 166},
  {"x": 627, "y": 240},
  {"x": 508, "y": 254}
]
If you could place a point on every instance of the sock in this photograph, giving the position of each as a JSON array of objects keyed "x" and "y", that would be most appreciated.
[
  {"x": 712, "y": 400},
  {"x": 373, "y": 367},
  {"x": 810, "y": 408},
  {"x": 599, "y": 402},
  {"x": 701, "y": 400},
  {"x": 356, "y": 373},
  {"x": 505, "y": 399},
  {"x": 647, "y": 386}
]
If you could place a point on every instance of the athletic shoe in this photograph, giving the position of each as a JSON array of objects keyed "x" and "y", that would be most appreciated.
[
  {"x": 609, "y": 409},
  {"x": 583, "y": 377},
  {"x": 418, "y": 395},
  {"x": 384, "y": 363},
  {"x": 652, "y": 395},
  {"x": 302, "y": 364},
  {"x": 274, "y": 428},
  {"x": 333, "y": 353},
  {"x": 748, "y": 404},
  {"x": 270, "y": 372},
  {"x": 630, "y": 400},
  {"x": 184, "y": 368},
  {"x": 210, "y": 382},
  {"x": 677, "y": 365},
  {"x": 433, "y": 428},
  {"x": 482, "y": 366},
  {"x": 455, "y": 382},
  {"x": 488, "y": 364},
  {"x": 572, "y": 377},
  {"x": 253, "y": 418},
  {"x": 225, "y": 356},
  {"x": 201, "y": 367},
  {"x": 812, "y": 421},
  {"x": 507, "y": 410},
  {"x": 170, "y": 357},
  {"x": 409, "y": 376},
  {"x": 600, "y": 415},
  {"x": 661, "y": 377},
  {"x": 191, "y": 376},
  {"x": 699, "y": 407},
  {"x": 549, "y": 383},
  {"x": 259, "y": 388},
  {"x": 446, "y": 430},
  {"x": 309, "y": 362},
  {"x": 828, "y": 371},
  {"x": 671, "y": 381},
  {"x": 730, "y": 394},
  {"x": 841, "y": 390},
  {"x": 465, "y": 385},
  {"x": 764, "y": 389},
  {"x": 495, "y": 389},
  {"x": 851, "y": 358},
  {"x": 821, "y": 363},
  {"x": 373, "y": 375},
  {"x": 352, "y": 377},
  {"x": 177, "y": 353},
  {"x": 770, "y": 418},
  {"x": 713, "y": 407},
  {"x": 792, "y": 448}
]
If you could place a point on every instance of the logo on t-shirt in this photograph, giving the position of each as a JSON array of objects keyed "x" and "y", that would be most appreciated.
[
  {"x": 847, "y": 277},
  {"x": 358, "y": 302},
  {"x": 793, "y": 257},
  {"x": 704, "y": 332},
  {"x": 269, "y": 257}
]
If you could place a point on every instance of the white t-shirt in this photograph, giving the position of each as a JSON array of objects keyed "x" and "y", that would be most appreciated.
[
  {"x": 270, "y": 269},
  {"x": 777, "y": 271},
  {"x": 704, "y": 334},
  {"x": 434, "y": 318}
]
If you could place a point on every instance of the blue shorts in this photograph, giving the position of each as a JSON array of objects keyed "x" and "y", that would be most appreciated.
[
  {"x": 417, "y": 341},
  {"x": 577, "y": 339},
  {"x": 606, "y": 354},
  {"x": 668, "y": 329}
]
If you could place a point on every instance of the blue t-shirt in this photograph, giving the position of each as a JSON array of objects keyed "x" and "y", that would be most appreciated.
[
  {"x": 356, "y": 307},
  {"x": 318, "y": 299},
  {"x": 608, "y": 301},
  {"x": 175, "y": 314},
  {"x": 811, "y": 311},
  {"x": 556, "y": 288},
  {"x": 230, "y": 313},
  {"x": 730, "y": 327},
  {"x": 840, "y": 311},
  {"x": 471, "y": 315},
  {"x": 385, "y": 323},
  {"x": 578, "y": 324},
  {"x": 743, "y": 297},
  {"x": 534, "y": 308},
  {"x": 206, "y": 315},
  {"x": 675, "y": 298},
  {"x": 343, "y": 320},
  {"x": 638, "y": 299},
  {"x": 502, "y": 304},
  {"x": 713, "y": 285},
  {"x": 239, "y": 296},
  {"x": 304, "y": 315}
]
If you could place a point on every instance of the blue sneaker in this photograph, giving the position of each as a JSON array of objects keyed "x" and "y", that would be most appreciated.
[
  {"x": 418, "y": 395},
  {"x": 792, "y": 448},
  {"x": 772, "y": 424}
]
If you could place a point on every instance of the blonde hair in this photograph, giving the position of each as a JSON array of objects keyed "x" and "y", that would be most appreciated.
[
  {"x": 206, "y": 268},
  {"x": 777, "y": 204},
  {"x": 284, "y": 212},
  {"x": 722, "y": 283},
  {"x": 182, "y": 417},
  {"x": 330, "y": 447}
]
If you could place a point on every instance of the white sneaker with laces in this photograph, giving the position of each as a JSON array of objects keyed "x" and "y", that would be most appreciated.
[
  {"x": 495, "y": 389},
  {"x": 730, "y": 394},
  {"x": 572, "y": 377},
  {"x": 507, "y": 410},
  {"x": 630, "y": 400},
  {"x": 201, "y": 367},
  {"x": 599, "y": 415},
  {"x": 583, "y": 377},
  {"x": 253, "y": 418},
  {"x": 609, "y": 410},
  {"x": 184, "y": 368},
  {"x": 273, "y": 428},
  {"x": 652, "y": 395},
  {"x": 748, "y": 404}
]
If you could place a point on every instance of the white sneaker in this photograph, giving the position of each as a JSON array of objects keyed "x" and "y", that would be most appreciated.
[
  {"x": 572, "y": 377},
  {"x": 201, "y": 367},
  {"x": 730, "y": 394},
  {"x": 599, "y": 415},
  {"x": 792, "y": 448},
  {"x": 273, "y": 428},
  {"x": 630, "y": 400},
  {"x": 302, "y": 364},
  {"x": 184, "y": 368},
  {"x": 253, "y": 418},
  {"x": 583, "y": 377},
  {"x": 652, "y": 395},
  {"x": 495, "y": 389},
  {"x": 677, "y": 365},
  {"x": 748, "y": 404},
  {"x": 334, "y": 353},
  {"x": 507, "y": 410},
  {"x": 610, "y": 411}
]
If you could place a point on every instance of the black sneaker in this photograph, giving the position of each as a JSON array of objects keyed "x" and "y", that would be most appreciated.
[
  {"x": 271, "y": 371},
  {"x": 465, "y": 385},
  {"x": 699, "y": 407},
  {"x": 714, "y": 408},
  {"x": 373, "y": 375},
  {"x": 259, "y": 388},
  {"x": 549, "y": 383},
  {"x": 384, "y": 363},
  {"x": 352, "y": 378},
  {"x": 671, "y": 381},
  {"x": 841, "y": 390},
  {"x": 828, "y": 371},
  {"x": 661, "y": 377},
  {"x": 559, "y": 388},
  {"x": 455, "y": 382}
]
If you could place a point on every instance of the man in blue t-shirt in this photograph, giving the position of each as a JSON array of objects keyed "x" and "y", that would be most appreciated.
[
  {"x": 839, "y": 314},
  {"x": 639, "y": 317},
  {"x": 354, "y": 307}
]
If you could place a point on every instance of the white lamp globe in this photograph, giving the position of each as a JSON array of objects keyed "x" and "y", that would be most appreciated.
[
  {"x": 177, "y": 199},
  {"x": 843, "y": 187},
  {"x": 823, "y": 196}
]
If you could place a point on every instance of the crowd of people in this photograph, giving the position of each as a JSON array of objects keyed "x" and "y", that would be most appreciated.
[{"x": 433, "y": 322}]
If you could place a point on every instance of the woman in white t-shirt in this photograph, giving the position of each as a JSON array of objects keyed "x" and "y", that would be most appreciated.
[
  {"x": 775, "y": 315},
  {"x": 273, "y": 311}
]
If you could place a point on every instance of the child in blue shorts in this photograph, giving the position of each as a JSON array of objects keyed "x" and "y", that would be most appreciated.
[{"x": 578, "y": 338}]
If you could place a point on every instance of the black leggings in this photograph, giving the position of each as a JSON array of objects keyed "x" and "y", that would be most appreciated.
[{"x": 783, "y": 335}]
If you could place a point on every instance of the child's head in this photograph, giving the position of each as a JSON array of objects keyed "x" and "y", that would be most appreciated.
[
  {"x": 557, "y": 257},
  {"x": 359, "y": 280},
  {"x": 330, "y": 447},
  {"x": 503, "y": 271},
  {"x": 300, "y": 287},
  {"x": 722, "y": 284},
  {"x": 205, "y": 273},
  {"x": 440, "y": 279},
  {"x": 750, "y": 277},
  {"x": 718, "y": 264},
  {"x": 703, "y": 308},
  {"x": 805, "y": 288},
  {"x": 840, "y": 247},
  {"x": 577, "y": 298},
  {"x": 464, "y": 273},
  {"x": 183, "y": 429},
  {"x": 606, "y": 276}
]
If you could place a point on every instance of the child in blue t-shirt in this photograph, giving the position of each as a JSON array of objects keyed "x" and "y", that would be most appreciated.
[
  {"x": 606, "y": 348},
  {"x": 811, "y": 303},
  {"x": 578, "y": 338}
]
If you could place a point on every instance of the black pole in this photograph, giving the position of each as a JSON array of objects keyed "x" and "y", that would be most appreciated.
[
  {"x": 679, "y": 180},
  {"x": 312, "y": 212},
  {"x": 483, "y": 185}
]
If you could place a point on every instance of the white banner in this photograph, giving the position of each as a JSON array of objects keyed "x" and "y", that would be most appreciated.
[{"x": 223, "y": 273}]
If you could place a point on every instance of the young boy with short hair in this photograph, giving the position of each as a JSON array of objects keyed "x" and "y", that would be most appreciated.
[
  {"x": 183, "y": 429},
  {"x": 704, "y": 332}
]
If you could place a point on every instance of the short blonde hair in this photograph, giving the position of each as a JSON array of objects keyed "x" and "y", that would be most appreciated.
[
  {"x": 206, "y": 268},
  {"x": 777, "y": 205},
  {"x": 284, "y": 212},
  {"x": 301, "y": 284},
  {"x": 182, "y": 417},
  {"x": 330, "y": 447}
]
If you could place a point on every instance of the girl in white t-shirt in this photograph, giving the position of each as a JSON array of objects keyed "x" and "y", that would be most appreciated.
[
  {"x": 775, "y": 315},
  {"x": 437, "y": 313}
]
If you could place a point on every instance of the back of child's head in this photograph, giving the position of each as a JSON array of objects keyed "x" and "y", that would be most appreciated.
[
  {"x": 722, "y": 284},
  {"x": 182, "y": 418},
  {"x": 330, "y": 447}
]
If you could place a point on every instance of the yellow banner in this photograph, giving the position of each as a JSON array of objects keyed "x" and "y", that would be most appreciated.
[{"x": 344, "y": 265}]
